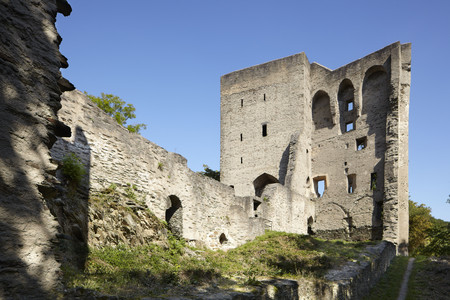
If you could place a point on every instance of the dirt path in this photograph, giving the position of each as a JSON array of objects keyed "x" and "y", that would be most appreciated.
[{"x": 404, "y": 287}]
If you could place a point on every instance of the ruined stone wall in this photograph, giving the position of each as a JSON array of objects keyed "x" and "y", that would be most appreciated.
[
  {"x": 348, "y": 130},
  {"x": 197, "y": 207},
  {"x": 355, "y": 147},
  {"x": 30, "y": 88}
]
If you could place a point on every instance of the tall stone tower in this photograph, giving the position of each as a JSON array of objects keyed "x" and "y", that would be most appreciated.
[{"x": 326, "y": 149}]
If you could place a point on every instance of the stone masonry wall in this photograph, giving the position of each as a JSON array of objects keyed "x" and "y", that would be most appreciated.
[
  {"x": 30, "y": 88},
  {"x": 206, "y": 208}
]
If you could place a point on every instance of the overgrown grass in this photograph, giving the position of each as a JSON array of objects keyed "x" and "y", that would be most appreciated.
[
  {"x": 429, "y": 279},
  {"x": 389, "y": 285},
  {"x": 152, "y": 268}
]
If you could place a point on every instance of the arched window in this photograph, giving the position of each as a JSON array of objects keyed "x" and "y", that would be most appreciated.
[
  {"x": 375, "y": 106},
  {"x": 375, "y": 91},
  {"x": 347, "y": 108},
  {"x": 321, "y": 111},
  {"x": 261, "y": 182}
]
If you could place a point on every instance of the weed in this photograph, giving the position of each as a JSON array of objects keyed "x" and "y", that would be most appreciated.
[
  {"x": 160, "y": 166},
  {"x": 73, "y": 168}
]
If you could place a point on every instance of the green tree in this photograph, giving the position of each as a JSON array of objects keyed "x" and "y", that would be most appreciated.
[
  {"x": 427, "y": 235},
  {"x": 210, "y": 173},
  {"x": 420, "y": 222},
  {"x": 118, "y": 109}
]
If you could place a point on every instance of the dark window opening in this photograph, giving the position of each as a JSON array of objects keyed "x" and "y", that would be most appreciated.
[
  {"x": 174, "y": 216},
  {"x": 320, "y": 185},
  {"x": 232, "y": 186},
  {"x": 242, "y": 161},
  {"x": 351, "y": 183},
  {"x": 223, "y": 239},
  {"x": 349, "y": 126},
  {"x": 241, "y": 137},
  {"x": 256, "y": 204},
  {"x": 264, "y": 130},
  {"x": 264, "y": 97},
  {"x": 349, "y": 105},
  {"x": 361, "y": 143},
  {"x": 307, "y": 180},
  {"x": 373, "y": 181},
  {"x": 310, "y": 224},
  {"x": 242, "y": 102}
]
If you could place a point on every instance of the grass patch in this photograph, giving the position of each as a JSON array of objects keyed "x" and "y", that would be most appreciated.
[
  {"x": 154, "y": 269},
  {"x": 430, "y": 279},
  {"x": 389, "y": 285}
]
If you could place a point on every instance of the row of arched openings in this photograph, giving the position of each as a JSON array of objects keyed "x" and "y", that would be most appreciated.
[{"x": 375, "y": 98}]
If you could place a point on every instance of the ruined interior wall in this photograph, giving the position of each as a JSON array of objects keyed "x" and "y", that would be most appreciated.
[
  {"x": 115, "y": 156},
  {"x": 269, "y": 94},
  {"x": 285, "y": 209},
  {"x": 30, "y": 86},
  {"x": 358, "y": 213}
]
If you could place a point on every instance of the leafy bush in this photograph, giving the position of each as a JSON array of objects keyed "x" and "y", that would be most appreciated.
[
  {"x": 118, "y": 109},
  {"x": 210, "y": 173},
  {"x": 73, "y": 168}
]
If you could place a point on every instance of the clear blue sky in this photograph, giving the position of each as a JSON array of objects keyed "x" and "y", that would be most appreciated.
[{"x": 166, "y": 58}]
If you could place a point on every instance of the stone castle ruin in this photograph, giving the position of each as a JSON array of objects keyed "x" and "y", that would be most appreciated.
[
  {"x": 288, "y": 128},
  {"x": 322, "y": 151}
]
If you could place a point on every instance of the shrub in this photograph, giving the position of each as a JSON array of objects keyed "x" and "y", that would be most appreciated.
[{"x": 73, "y": 168}]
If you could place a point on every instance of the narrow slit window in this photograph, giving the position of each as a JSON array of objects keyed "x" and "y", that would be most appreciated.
[
  {"x": 373, "y": 181},
  {"x": 256, "y": 204},
  {"x": 349, "y": 105},
  {"x": 264, "y": 130},
  {"x": 351, "y": 183},
  {"x": 349, "y": 126},
  {"x": 242, "y": 102},
  {"x": 320, "y": 185},
  {"x": 241, "y": 137},
  {"x": 361, "y": 143},
  {"x": 242, "y": 161},
  {"x": 264, "y": 97}
]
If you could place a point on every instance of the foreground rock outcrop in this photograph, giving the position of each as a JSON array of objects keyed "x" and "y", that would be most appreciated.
[{"x": 30, "y": 88}]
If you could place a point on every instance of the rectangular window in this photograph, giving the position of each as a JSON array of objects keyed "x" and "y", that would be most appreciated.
[
  {"x": 349, "y": 126},
  {"x": 361, "y": 143},
  {"x": 264, "y": 97},
  {"x": 264, "y": 130},
  {"x": 373, "y": 181},
  {"x": 242, "y": 161},
  {"x": 349, "y": 105},
  {"x": 320, "y": 185},
  {"x": 351, "y": 183},
  {"x": 241, "y": 137},
  {"x": 242, "y": 102}
]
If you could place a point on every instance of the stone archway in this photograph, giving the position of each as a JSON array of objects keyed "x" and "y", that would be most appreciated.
[
  {"x": 261, "y": 181},
  {"x": 174, "y": 216}
]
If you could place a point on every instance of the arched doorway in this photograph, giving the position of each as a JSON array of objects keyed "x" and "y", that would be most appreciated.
[
  {"x": 174, "y": 216},
  {"x": 261, "y": 181}
]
